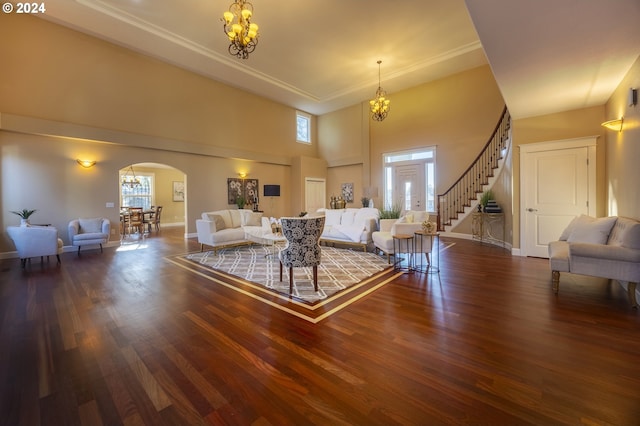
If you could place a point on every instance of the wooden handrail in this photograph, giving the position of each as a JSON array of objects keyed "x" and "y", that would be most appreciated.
[{"x": 471, "y": 182}]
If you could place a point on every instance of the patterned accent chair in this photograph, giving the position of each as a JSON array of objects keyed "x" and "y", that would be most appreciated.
[{"x": 303, "y": 245}]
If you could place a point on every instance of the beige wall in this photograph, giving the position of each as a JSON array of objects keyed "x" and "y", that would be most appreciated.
[
  {"x": 59, "y": 74},
  {"x": 172, "y": 211},
  {"x": 552, "y": 127},
  {"x": 623, "y": 150},
  {"x": 40, "y": 172},
  {"x": 302, "y": 168},
  {"x": 457, "y": 114},
  {"x": 106, "y": 103},
  {"x": 65, "y": 95}
]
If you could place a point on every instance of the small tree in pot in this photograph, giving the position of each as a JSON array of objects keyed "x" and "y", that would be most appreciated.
[{"x": 24, "y": 215}]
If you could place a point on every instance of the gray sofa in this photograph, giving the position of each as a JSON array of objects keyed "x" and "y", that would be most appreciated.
[{"x": 604, "y": 247}]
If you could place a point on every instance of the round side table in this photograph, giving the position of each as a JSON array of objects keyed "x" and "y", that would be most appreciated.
[
  {"x": 398, "y": 241},
  {"x": 433, "y": 265}
]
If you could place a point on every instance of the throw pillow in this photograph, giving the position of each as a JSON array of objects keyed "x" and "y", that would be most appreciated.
[
  {"x": 567, "y": 231},
  {"x": 90, "y": 226},
  {"x": 253, "y": 219},
  {"x": 625, "y": 233},
  {"x": 332, "y": 217},
  {"x": 347, "y": 218},
  {"x": 218, "y": 221},
  {"x": 596, "y": 231}
]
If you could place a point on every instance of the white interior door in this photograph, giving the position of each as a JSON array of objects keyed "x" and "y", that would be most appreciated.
[
  {"x": 315, "y": 194},
  {"x": 558, "y": 184},
  {"x": 409, "y": 186}
]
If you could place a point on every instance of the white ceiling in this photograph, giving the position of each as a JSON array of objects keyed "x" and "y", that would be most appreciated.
[{"x": 320, "y": 55}]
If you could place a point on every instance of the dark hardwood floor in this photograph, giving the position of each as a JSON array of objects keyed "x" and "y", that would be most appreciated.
[{"x": 126, "y": 337}]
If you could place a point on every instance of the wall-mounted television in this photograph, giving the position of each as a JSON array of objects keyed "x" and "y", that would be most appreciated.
[{"x": 271, "y": 190}]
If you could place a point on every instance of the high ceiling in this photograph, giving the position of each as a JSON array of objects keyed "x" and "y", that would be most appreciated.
[{"x": 319, "y": 56}]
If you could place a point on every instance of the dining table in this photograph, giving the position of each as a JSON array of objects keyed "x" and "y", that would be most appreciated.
[{"x": 125, "y": 219}]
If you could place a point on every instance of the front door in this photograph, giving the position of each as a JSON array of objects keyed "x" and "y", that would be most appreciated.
[
  {"x": 558, "y": 184},
  {"x": 409, "y": 186}
]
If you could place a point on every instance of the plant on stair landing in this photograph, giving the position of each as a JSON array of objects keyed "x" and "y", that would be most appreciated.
[{"x": 486, "y": 196}]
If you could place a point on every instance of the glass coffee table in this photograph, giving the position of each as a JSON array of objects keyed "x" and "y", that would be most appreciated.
[{"x": 270, "y": 240}]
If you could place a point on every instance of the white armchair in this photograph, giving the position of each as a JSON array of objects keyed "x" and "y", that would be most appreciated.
[
  {"x": 83, "y": 232},
  {"x": 34, "y": 241},
  {"x": 409, "y": 223}
]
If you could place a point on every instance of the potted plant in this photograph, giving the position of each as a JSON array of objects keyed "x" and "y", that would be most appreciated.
[
  {"x": 240, "y": 201},
  {"x": 484, "y": 199},
  {"x": 24, "y": 215},
  {"x": 391, "y": 212}
]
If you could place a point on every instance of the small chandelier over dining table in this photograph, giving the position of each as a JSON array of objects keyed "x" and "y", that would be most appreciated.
[
  {"x": 242, "y": 33},
  {"x": 379, "y": 105},
  {"x": 130, "y": 180}
]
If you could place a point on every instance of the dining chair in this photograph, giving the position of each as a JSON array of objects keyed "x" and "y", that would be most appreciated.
[
  {"x": 124, "y": 220},
  {"x": 303, "y": 245},
  {"x": 154, "y": 219},
  {"x": 136, "y": 219}
]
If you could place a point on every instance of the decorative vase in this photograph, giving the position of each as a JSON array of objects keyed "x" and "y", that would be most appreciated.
[
  {"x": 427, "y": 227},
  {"x": 24, "y": 222}
]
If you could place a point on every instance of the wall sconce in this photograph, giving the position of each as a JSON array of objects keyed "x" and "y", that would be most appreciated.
[
  {"x": 86, "y": 163},
  {"x": 242, "y": 175},
  {"x": 633, "y": 97},
  {"x": 614, "y": 124}
]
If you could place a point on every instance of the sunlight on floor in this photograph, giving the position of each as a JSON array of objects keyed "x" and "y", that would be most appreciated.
[{"x": 132, "y": 245}]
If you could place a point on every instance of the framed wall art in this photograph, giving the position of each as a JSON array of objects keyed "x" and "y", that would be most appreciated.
[
  {"x": 234, "y": 190},
  {"x": 178, "y": 191},
  {"x": 245, "y": 188},
  {"x": 347, "y": 192}
]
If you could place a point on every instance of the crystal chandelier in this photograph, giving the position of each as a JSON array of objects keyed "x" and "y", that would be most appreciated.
[
  {"x": 132, "y": 180},
  {"x": 379, "y": 105},
  {"x": 242, "y": 33}
]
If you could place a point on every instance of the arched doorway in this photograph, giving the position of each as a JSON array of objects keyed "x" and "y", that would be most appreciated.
[{"x": 159, "y": 185}]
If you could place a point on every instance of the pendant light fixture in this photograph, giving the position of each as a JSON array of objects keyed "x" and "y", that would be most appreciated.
[
  {"x": 130, "y": 180},
  {"x": 242, "y": 33},
  {"x": 379, "y": 105}
]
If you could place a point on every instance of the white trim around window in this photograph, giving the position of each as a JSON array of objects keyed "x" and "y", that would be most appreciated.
[{"x": 303, "y": 127}]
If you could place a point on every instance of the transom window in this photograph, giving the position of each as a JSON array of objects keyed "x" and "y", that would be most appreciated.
[{"x": 303, "y": 127}]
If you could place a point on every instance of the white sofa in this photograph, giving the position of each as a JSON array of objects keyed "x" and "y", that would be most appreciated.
[
  {"x": 349, "y": 226},
  {"x": 409, "y": 223},
  {"x": 226, "y": 228},
  {"x": 607, "y": 247}
]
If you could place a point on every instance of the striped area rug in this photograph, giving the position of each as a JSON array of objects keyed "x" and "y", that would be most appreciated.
[{"x": 339, "y": 269}]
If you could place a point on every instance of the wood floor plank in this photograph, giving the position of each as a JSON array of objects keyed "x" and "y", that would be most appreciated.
[{"x": 127, "y": 337}]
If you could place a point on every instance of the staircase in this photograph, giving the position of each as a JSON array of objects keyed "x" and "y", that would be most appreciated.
[{"x": 477, "y": 178}]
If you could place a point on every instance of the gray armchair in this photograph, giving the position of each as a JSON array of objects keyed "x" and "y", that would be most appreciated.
[
  {"x": 34, "y": 241},
  {"x": 84, "y": 232},
  {"x": 303, "y": 246}
]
